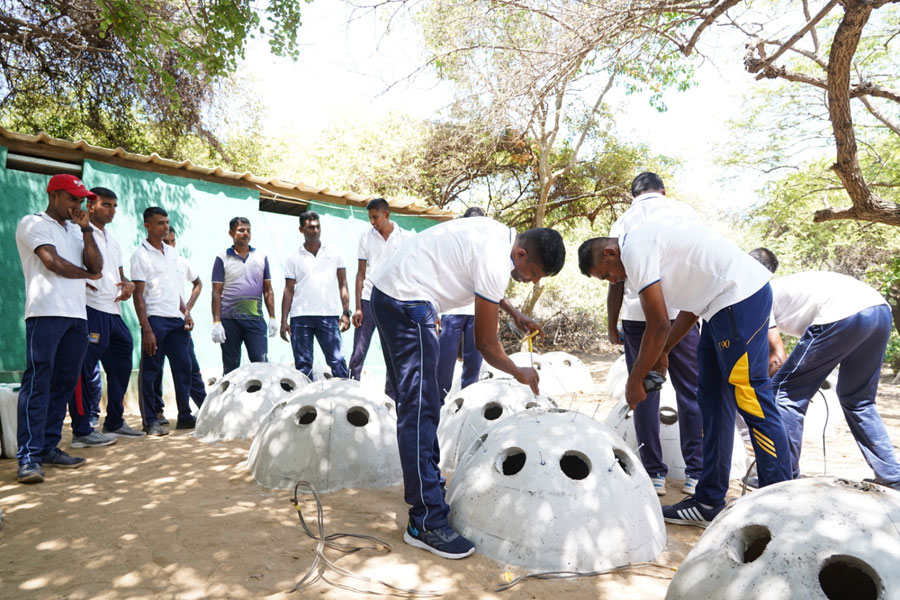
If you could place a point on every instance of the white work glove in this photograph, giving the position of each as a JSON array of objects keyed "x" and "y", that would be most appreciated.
[
  {"x": 273, "y": 327},
  {"x": 218, "y": 333}
]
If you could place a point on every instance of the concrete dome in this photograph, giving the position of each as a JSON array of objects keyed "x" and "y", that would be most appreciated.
[
  {"x": 620, "y": 419},
  {"x": 240, "y": 400},
  {"x": 816, "y": 539},
  {"x": 562, "y": 374},
  {"x": 555, "y": 490},
  {"x": 470, "y": 411},
  {"x": 335, "y": 434}
]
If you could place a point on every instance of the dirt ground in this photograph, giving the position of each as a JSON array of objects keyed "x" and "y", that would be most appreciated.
[{"x": 175, "y": 518}]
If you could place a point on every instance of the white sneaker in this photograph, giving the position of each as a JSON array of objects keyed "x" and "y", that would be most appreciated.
[
  {"x": 659, "y": 484},
  {"x": 690, "y": 486}
]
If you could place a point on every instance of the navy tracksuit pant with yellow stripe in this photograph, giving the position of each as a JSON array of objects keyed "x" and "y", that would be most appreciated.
[{"x": 733, "y": 360}]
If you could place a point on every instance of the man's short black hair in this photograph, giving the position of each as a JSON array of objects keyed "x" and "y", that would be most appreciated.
[
  {"x": 379, "y": 204},
  {"x": 473, "y": 211},
  {"x": 645, "y": 183},
  {"x": 232, "y": 224},
  {"x": 153, "y": 210},
  {"x": 104, "y": 192},
  {"x": 308, "y": 215},
  {"x": 586, "y": 255},
  {"x": 766, "y": 257},
  {"x": 545, "y": 248}
]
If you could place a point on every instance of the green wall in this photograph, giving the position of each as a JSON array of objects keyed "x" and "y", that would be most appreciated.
[{"x": 199, "y": 212}]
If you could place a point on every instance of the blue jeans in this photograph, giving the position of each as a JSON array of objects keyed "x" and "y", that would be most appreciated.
[
  {"x": 733, "y": 358},
  {"x": 250, "y": 332},
  {"x": 326, "y": 331},
  {"x": 54, "y": 352},
  {"x": 857, "y": 343},
  {"x": 454, "y": 327},
  {"x": 410, "y": 344}
]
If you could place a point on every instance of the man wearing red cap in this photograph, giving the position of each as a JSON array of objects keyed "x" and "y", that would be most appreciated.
[{"x": 58, "y": 253}]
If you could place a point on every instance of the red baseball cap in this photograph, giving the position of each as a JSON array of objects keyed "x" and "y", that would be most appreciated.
[{"x": 71, "y": 184}]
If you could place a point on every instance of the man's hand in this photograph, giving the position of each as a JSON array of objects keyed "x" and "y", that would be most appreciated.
[
  {"x": 529, "y": 377},
  {"x": 218, "y": 333},
  {"x": 662, "y": 365},
  {"x": 634, "y": 392},
  {"x": 527, "y": 324},
  {"x": 91, "y": 286},
  {"x": 188, "y": 321},
  {"x": 79, "y": 217},
  {"x": 774, "y": 365},
  {"x": 93, "y": 276},
  {"x": 612, "y": 334},
  {"x": 126, "y": 291},
  {"x": 285, "y": 331},
  {"x": 273, "y": 327},
  {"x": 148, "y": 342},
  {"x": 357, "y": 317},
  {"x": 344, "y": 323}
]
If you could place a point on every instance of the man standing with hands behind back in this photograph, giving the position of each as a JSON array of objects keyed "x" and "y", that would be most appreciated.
[{"x": 58, "y": 253}]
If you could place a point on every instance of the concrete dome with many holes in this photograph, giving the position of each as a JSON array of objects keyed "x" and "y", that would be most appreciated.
[
  {"x": 240, "y": 400},
  {"x": 621, "y": 420},
  {"x": 816, "y": 539},
  {"x": 334, "y": 434},
  {"x": 562, "y": 374},
  {"x": 472, "y": 410},
  {"x": 554, "y": 490}
]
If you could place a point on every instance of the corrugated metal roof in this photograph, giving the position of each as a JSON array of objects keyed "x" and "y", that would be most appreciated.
[{"x": 44, "y": 144}]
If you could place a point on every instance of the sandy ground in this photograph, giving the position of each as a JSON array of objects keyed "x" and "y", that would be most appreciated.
[{"x": 175, "y": 518}]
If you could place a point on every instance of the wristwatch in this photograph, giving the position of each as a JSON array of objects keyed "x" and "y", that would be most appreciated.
[
  {"x": 347, "y": 312},
  {"x": 86, "y": 229}
]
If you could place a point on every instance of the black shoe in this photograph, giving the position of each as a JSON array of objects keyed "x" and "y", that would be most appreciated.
[
  {"x": 155, "y": 430},
  {"x": 186, "y": 423},
  {"x": 62, "y": 460},
  {"x": 161, "y": 419},
  {"x": 893, "y": 485},
  {"x": 30, "y": 472},
  {"x": 443, "y": 541}
]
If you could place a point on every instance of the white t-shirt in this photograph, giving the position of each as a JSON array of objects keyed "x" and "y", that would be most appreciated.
[
  {"x": 700, "y": 271},
  {"x": 648, "y": 208},
  {"x": 374, "y": 249},
  {"x": 186, "y": 273},
  {"x": 450, "y": 263},
  {"x": 162, "y": 277},
  {"x": 104, "y": 298},
  {"x": 46, "y": 293},
  {"x": 468, "y": 309},
  {"x": 316, "y": 291},
  {"x": 818, "y": 298}
]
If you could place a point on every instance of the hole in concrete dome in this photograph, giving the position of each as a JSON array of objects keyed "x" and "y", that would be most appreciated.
[
  {"x": 537, "y": 365},
  {"x": 457, "y": 405},
  {"x": 826, "y": 385},
  {"x": 492, "y": 411},
  {"x": 511, "y": 461},
  {"x": 668, "y": 415},
  {"x": 531, "y": 405},
  {"x": 567, "y": 362},
  {"x": 288, "y": 385},
  {"x": 624, "y": 461},
  {"x": 575, "y": 465},
  {"x": 748, "y": 543},
  {"x": 253, "y": 386},
  {"x": 358, "y": 416},
  {"x": 224, "y": 385},
  {"x": 306, "y": 415},
  {"x": 487, "y": 375},
  {"x": 845, "y": 576}
]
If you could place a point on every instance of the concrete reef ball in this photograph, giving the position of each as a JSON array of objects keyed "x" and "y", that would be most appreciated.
[
  {"x": 334, "y": 434},
  {"x": 817, "y": 539},
  {"x": 621, "y": 420},
  {"x": 562, "y": 374},
  {"x": 555, "y": 490},
  {"x": 241, "y": 399},
  {"x": 469, "y": 412}
]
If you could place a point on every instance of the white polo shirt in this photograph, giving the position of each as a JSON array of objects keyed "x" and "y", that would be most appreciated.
[
  {"x": 316, "y": 292},
  {"x": 818, "y": 298},
  {"x": 104, "y": 298},
  {"x": 700, "y": 271},
  {"x": 648, "y": 208},
  {"x": 450, "y": 263},
  {"x": 46, "y": 293},
  {"x": 186, "y": 273},
  {"x": 467, "y": 310},
  {"x": 374, "y": 249},
  {"x": 162, "y": 277}
]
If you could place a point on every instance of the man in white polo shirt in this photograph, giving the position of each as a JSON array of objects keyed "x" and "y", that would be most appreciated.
[
  {"x": 320, "y": 308},
  {"x": 58, "y": 254},
  {"x": 438, "y": 269},
  {"x": 110, "y": 341},
  {"x": 375, "y": 246},
  {"x": 651, "y": 205},
  {"x": 684, "y": 266},
  {"x": 165, "y": 321},
  {"x": 840, "y": 321}
]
